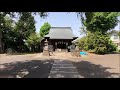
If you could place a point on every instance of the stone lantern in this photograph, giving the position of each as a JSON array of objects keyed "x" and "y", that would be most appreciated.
[
  {"x": 46, "y": 49},
  {"x": 76, "y": 51}
]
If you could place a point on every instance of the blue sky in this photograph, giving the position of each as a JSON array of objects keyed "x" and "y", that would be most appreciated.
[{"x": 62, "y": 19}]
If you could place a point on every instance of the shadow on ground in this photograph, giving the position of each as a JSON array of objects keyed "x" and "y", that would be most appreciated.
[
  {"x": 29, "y": 69},
  {"x": 22, "y": 53},
  {"x": 41, "y": 69},
  {"x": 90, "y": 70},
  {"x": 106, "y": 53}
]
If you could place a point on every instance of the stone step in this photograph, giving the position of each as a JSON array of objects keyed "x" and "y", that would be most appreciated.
[
  {"x": 62, "y": 65},
  {"x": 53, "y": 72},
  {"x": 63, "y": 69},
  {"x": 62, "y": 62},
  {"x": 64, "y": 75}
]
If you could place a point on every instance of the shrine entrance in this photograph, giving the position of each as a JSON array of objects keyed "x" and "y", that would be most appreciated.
[
  {"x": 61, "y": 46},
  {"x": 59, "y": 39}
]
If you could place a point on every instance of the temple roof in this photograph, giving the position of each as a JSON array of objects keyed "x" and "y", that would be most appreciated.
[{"x": 61, "y": 33}]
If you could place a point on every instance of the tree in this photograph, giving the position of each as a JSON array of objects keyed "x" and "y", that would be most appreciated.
[
  {"x": 97, "y": 42},
  {"x": 97, "y": 24},
  {"x": 26, "y": 24},
  {"x": 83, "y": 31},
  {"x": 11, "y": 37},
  {"x": 99, "y": 21},
  {"x": 2, "y": 29},
  {"x": 33, "y": 42},
  {"x": 44, "y": 30},
  {"x": 100, "y": 43},
  {"x": 119, "y": 34},
  {"x": 7, "y": 31},
  {"x": 82, "y": 43},
  {"x": 24, "y": 27}
]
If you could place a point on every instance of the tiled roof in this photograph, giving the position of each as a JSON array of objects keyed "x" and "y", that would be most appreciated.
[{"x": 61, "y": 33}]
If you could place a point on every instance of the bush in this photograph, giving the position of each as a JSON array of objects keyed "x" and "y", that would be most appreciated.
[
  {"x": 82, "y": 44},
  {"x": 119, "y": 50},
  {"x": 100, "y": 50},
  {"x": 100, "y": 43},
  {"x": 111, "y": 47},
  {"x": 97, "y": 41}
]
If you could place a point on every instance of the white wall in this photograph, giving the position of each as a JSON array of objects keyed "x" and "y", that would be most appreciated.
[
  {"x": 115, "y": 40},
  {"x": 112, "y": 37}
]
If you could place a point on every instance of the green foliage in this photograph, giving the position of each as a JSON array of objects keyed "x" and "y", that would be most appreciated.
[
  {"x": 33, "y": 41},
  {"x": 44, "y": 30},
  {"x": 98, "y": 42},
  {"x": 100, "y": 21},
  {"x": 83, "y": 31},
  {"x": 119, "y": 50},
  {"x": 100, "y": 50},
  {"x": 13, "y": 32},
  {"x": 111, "y": 47},
  {"x": 97, "y": 24},
  {"x": 90, "y": 41},
  {"x": 119, "y": 34},
  {"x": 102, "y": 43},
  {"x": 8, "y": 33},
  {"x": 24, "y": 27},
  {"x": 82, "y": 43}
]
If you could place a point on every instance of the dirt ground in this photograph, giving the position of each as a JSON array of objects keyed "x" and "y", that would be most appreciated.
[{"x": 111, "y": 61}]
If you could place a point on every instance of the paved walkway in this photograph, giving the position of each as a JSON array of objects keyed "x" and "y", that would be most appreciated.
[{"x": 63, "y": 69}]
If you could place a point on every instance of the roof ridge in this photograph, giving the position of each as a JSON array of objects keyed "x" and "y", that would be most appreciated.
[{"x": 60, "y": 27}]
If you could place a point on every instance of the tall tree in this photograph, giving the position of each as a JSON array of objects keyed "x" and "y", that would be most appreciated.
[
  {"x": 12, "y": 38},
  {"x": 24, "y": 27},
  {"x": 6, "y": 24},
  {"x": 8, "y": 33},
  {"x": 97, "y": 24},
  {"x": 44, "y": 30},
  {"x": 99, "y": 21}
]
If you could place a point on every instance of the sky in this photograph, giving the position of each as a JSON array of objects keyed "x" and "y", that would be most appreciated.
[{"x": 62, "y": 19}]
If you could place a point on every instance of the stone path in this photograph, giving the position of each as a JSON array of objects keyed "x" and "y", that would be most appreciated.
[{"x": 63, "y": 69}]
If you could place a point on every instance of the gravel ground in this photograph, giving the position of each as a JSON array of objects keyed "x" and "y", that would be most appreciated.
[{"x": 109, "y": 61}]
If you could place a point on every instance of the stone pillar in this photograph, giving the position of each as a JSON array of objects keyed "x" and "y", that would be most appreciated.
[
  {"x": 77, "y": 51},
  {"x": 46, "y": 49}
]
